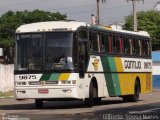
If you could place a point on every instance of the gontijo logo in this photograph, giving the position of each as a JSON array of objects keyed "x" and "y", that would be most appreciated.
[{"x": 95, "y": 64}]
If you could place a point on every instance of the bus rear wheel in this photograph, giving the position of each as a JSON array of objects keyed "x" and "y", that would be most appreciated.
[
  {"x": 38, "y": 103},
  {"x": 135, "y": 97}
]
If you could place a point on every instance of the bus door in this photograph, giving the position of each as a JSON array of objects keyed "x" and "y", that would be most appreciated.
[
  {"x": 82, "y": 52},
  {"x": 82, "y": 58}
]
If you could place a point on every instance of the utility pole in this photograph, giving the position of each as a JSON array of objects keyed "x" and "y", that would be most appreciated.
[
  {"x": 157, "y": 6},
  {"x": 135, "y": 13},
  {"x": 98, "y": 17},
  {"x": 98, "y": 11}
]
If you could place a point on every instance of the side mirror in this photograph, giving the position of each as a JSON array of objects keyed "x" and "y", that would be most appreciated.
[{"x": 1, "y": 52}]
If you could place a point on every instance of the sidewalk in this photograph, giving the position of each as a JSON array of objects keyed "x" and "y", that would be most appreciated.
[{"x": 7, "y": 95}]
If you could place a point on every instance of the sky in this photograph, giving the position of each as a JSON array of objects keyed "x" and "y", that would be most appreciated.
[{"x": 112, "y": 11}]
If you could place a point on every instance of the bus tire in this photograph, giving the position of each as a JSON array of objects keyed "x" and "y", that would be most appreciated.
[
  {"x": 125, "y": 98},
  {"x": 38, "y": 103},
  {"x": 135, "y": 96},
  {"x": 97, "y": 101},
  {"x": 89, "y": 101}
]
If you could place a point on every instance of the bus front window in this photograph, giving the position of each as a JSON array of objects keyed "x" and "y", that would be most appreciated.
[
  {"x": 29, "y": 51},
  {"x": 44, "y": 51},
  {"x": 58, "y": 50}
]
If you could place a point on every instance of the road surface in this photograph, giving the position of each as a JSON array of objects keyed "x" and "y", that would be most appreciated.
[{"x": 148, "y": 108}]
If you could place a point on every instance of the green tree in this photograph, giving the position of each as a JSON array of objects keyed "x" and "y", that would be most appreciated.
[
  {"x": 10, "y": 21},
  {"x": 147, "y": 21}
]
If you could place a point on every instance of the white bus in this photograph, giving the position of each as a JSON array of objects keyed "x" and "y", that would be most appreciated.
[{"x": 68, "y": 60}]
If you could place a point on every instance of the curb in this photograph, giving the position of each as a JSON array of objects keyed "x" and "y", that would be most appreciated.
[
  {"x": 154, "y": 90},
  {"x": 5, "y": 97}
]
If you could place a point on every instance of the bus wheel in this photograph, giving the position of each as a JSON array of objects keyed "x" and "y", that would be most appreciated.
[
  {"x": 125, "y": 98},
  {"x": 38, "y": 103},
  {"x": 89, "y": 101},
  {"x": 97, "y": 101},
  {"x": 135, "y": 96}
]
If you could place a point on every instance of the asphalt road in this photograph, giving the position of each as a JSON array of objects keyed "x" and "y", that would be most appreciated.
[{"x": 148, "y": 108}]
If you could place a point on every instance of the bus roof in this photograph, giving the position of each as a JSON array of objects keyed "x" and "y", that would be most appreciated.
[
  {"x": 69, "y": 26},
  {"x": 109, "y": 28},
  {"x": 50, "y": 26}
]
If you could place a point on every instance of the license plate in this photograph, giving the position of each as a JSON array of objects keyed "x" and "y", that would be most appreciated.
[{"x": 43, "y": 91}]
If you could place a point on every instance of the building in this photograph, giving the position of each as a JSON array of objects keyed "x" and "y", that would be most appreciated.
[
  {"x": 156, "y": 69},
  {"x": 116, "y": 26},
  {"x": 157, "y": 6}
]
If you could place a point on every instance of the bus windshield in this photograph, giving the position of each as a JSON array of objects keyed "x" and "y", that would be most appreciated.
[{"x": 44, "y": 51}]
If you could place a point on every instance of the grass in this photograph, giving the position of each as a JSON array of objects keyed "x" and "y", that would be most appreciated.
[{"x": 6, "y": 94}]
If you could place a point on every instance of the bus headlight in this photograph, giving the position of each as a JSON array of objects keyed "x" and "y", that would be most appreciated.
[
  {"x": 68, "y": 82},
  {"x": 21, "y": 83},
  {"x": 73, "y": 81}
]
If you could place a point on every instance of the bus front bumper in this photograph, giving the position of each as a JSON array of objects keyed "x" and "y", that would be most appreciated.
[{"x": 46, "y": 93}]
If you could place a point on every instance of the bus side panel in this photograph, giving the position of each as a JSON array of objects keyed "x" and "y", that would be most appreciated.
[
  {"x": 120, "y": 78},
  {"x": 95, "y": 70},
  {"x": 112, "y": 79},
  {"x": 102, "y": 89},
  {"x": 127, "y": 76},
  {"x": 127, "y": 82}
]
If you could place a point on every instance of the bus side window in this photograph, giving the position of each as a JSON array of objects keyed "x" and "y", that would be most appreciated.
[
  {"x": 149, "y": 47},
  {"x": 136, "y": 47},
  {"x": 140, "y": 46},
  {"x": 116, "y": 44},
  {"x": 131, "y": 46},
  {"x": 110, "y": 43},
  {"x": 105, "y": 43},
  {"x": 90, "y": 42},
  {"x": 94, "y": 42},
  {"x": 121, "y": 44},
  {"x": 146, "y": 49},
  {"x": 128, "y": 46},
  {"x": 99, "y": 42}
]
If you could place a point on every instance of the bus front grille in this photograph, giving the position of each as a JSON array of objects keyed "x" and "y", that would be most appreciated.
[{"x": 44, "y": 82}]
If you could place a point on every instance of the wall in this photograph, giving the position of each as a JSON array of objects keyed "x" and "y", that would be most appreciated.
[
  {"x": 6, "y": 78},
  {"x": 156, "y": 69},
  {"x": 156, "y": 75}
]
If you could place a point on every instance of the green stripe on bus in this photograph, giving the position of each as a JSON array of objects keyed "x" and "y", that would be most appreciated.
[
  {"x": 45, "y": 77},
  {"x": 112, "y": 79},
  {"x": 55, "y": 76},
  {"x": 108, "y": 76},
  {"x": 115, "y": 78},
  {"x": 116, "y": 84},
  {"x": 112, "y": 64}
]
